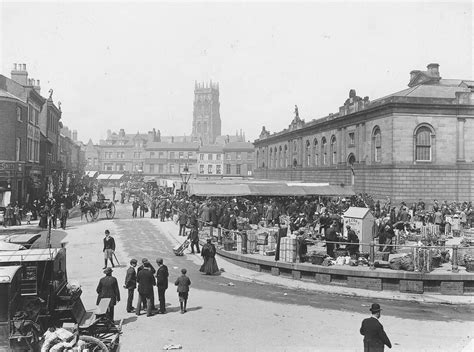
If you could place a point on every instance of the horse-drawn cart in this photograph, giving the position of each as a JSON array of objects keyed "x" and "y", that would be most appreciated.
[
  {"x": 36, "y": 300},
  {"x": 91, "y": 209}
]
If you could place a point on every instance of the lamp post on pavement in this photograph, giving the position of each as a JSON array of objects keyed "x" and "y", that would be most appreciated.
[{"x": 185, "y": 176}]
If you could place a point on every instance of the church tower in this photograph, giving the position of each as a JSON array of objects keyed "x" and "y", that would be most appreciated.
[{"x": 206, "y": 116}]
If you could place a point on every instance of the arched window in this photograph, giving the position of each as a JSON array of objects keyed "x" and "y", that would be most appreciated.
[
  {"x": 257, "y": 160},
  {"x": 316, "y": 152},
  {"x": 377, "y": 142},
  {"x": 333, "y": 151},
  {"x": 423, "y": 143},
  {"x": 308, "y": 153},
  {"x": 324, "y": 150},
  {"x": 285, "y": 156},
  {"x": 295, "y": 146},
  {"x": 270, "y": 161}
]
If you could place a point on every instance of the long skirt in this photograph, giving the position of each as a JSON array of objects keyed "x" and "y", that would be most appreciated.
[{"x": 209, "y": 266}]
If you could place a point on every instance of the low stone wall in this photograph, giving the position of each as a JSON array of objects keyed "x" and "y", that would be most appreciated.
[{"x": 360, "y": 277}]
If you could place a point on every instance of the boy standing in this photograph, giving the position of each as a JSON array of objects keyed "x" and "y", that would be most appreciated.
[{"x": 183, "y": 282}]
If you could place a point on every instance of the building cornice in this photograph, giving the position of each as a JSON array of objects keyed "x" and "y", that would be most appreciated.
[{"x": 396, "y": 106}]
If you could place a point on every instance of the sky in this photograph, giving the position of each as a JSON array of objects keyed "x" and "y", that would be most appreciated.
[{"x": 133, "y": 65}]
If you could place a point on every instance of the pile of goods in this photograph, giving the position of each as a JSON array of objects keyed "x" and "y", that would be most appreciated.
[
  {"x": 288, "y": 249},
  {"x": 243, "y": 224},
  {"x": 266, "y": 241}
]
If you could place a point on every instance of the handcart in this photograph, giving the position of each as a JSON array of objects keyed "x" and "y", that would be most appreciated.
[{"x": 179, "y": 250}]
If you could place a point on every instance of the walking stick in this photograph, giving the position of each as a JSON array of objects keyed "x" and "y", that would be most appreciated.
[{"x": 116, "y": 258}]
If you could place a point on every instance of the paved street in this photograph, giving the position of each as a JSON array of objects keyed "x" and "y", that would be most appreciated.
[{"x": 247, "y": 316}]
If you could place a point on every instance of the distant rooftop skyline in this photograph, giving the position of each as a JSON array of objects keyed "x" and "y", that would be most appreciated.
[{"x": 143, "y": 74}]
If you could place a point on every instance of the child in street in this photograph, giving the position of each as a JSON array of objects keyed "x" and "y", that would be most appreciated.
[
  {"x": 29, "y": 214},
  {"x": 183, "y": 282}
]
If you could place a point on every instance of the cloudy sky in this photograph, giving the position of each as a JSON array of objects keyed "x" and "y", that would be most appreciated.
[{"x": 133, "y": 65}]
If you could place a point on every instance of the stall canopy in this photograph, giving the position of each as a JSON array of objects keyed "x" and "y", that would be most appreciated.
[
  {"x": 225, "y": 189},
  {"x": 92, "y": 173},
  {"x": 116, "y": 177},
  {"x": 103, "y": 176},
  {"x": 149, "y": 179}
]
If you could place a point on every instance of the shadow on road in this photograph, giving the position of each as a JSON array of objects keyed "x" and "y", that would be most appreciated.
[{"x": 129, "y": 320}]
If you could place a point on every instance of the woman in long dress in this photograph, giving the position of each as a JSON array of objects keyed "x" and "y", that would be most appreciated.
[{"x": 208, "y": 252}]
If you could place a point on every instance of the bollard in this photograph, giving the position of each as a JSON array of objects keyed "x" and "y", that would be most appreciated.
[
  {"x": 454, "y": 261},
  {"x": 243, "y": 236},
  {"x": 219, "y": 236},
  {"x": 298, "y": 259},
  {"x": 372, "y": 255}
]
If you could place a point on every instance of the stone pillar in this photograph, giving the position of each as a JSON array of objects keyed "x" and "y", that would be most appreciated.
[
  {"x": 339, "y": 144},
  {"x": 363, "y": 137},
  {"x": 460, "y": 137},
  {"x": 356, "y": 140}
]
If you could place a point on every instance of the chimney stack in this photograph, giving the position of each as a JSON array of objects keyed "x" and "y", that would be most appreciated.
[
  {"x": 433, "y": 69},
  {"x": 74, "y": 136},
  {"x": 19, "y": 74}
]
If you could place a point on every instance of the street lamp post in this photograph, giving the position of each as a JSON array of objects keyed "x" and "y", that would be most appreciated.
[{"x": 185, "y": 176}]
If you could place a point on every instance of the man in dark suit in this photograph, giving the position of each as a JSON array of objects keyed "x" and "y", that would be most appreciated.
[
  {"x": 153, "y": 271},
  {"x": 146, "y": 281},
  {"x": 162, "y": 284},
  {"x": 194, "y": 233},
  {"x": 108, "y": 288},
  {"x": 375, "y": 337},
  {"x": 331, "y": 236},
  {"x": 131, "y": 284}
]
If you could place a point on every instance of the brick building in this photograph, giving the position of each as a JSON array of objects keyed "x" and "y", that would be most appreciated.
[
  {"x": 206, "y": 153},
  {"x": 411, "y": 144},
  {"x": 29, "y": 139}
]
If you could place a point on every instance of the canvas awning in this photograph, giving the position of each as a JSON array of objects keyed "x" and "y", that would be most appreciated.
[
  {"x": 91, "y": 173},
  {"x": 218, "y": 190},
  {"x": 225, "y": 189},
  {"x": 115, "y": 177},
  {"x": 103, "y": 176}
]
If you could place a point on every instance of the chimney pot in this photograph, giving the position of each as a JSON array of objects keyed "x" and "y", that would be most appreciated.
[
  {"x": 24, "y": 67},
  {"x": 433, "y": 69},
  {"x": 14, "y": 67}
]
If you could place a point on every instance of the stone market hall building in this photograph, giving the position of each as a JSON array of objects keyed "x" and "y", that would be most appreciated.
[{"x": 415, "y": 143}]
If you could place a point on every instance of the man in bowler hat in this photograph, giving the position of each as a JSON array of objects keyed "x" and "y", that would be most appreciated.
[
  {"x": 131, "y": 284},
  {"x": 108, "y": 288},
  {"x": 375, "y": 337},
  {"x": 162, "y": 284}
]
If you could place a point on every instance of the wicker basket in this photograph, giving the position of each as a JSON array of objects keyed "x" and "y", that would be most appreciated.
[{"x": 470, "y": 265}]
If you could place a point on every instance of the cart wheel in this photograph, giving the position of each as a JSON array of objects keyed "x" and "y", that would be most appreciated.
[
  {"x": 95, "y": 214},
  {"x": 89, "y": 216},
  {"x": 93, "y": 344},
  {"x": 110, "y": 213}
]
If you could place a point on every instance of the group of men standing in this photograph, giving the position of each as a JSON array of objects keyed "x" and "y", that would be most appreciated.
[{"x": 144, "y": 277}]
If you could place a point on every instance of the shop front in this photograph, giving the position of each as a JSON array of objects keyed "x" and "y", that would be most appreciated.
[
  {"x": 35, "y": 184},
  {"x": 12, "y": 183}
]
